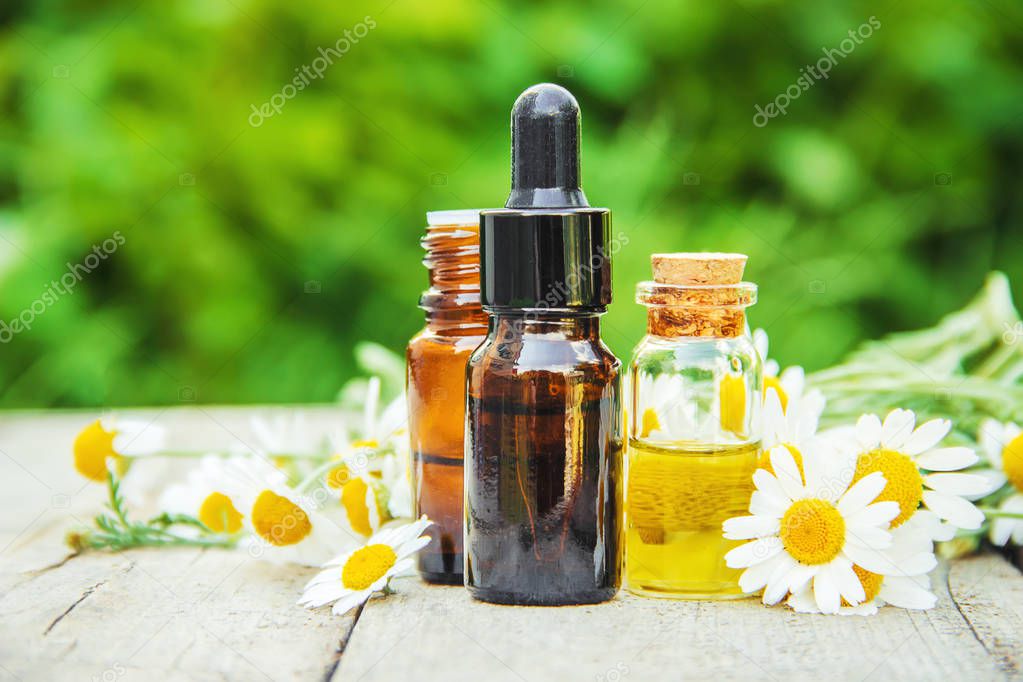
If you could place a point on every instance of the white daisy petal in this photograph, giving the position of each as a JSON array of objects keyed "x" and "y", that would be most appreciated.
[
  {"x": 992, "y": 440},
  {"x": 749, "y": 527},
  {"x": 1001, "y": 530},
  {"x": 926, "y": 436},
  {"x": 868, "y": 431},
  {"x": 946, "y": 459},
  {"x": 331, "y": 574},
  {"x": 761, "y": 504},
  {"x": 906, "y": 594},
  {"x": 755, "y": 577},
  {"x": 955, "y": 509},
  {"x": 876, "y": 514},
  {"x": 817, "y": 483},
  {"x": 321, "y": 594},
  {"x": 918, "y": 564},
  {"x": 958, "y": 484},
  {"x": 413, "y": 546},
  {"x": 873, "y": 560},
  {"x": 787, "y": 473},
  {"x": 897, "y": 428},
  {"x": 825, "y": 593},
  {"x": 776, "y": 589},
  {"x": 403, "y": 568},
  {"x": 768, "y": 485},
  {"x": 846, "y": 581},
  {"x": 868, "y": 536},
  {"x": 803, "y": 602},
  {"x": 862, "y": 493},
  {"x": 753, "y": 552},
  {"x": 350, "y": 601},
  {"x": 778, "y": 582},
  {"x": 799, "y": 576}
]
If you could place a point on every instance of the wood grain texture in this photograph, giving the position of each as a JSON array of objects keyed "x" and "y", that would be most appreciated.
[
  {"x": 989, "y": 594},
  {"x": 178, "y": 614},
  {"x": 425, "y": 629},
  {"x": 187, "y": 614}
]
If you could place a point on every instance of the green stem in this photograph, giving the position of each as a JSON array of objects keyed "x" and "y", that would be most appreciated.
[
  {"x": 999, "y": 514},
  {"x": 115, "y": 501}
]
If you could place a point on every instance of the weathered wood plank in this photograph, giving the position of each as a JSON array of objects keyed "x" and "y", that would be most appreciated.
[
  {"x": 440, "y": 633},
  {"x": 989, "y": 594},
  {"x": 185, "y": 614},
  {"x": 170, "y": 614}
]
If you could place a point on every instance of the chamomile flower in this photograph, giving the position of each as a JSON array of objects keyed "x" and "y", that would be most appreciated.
[
  {"x": 350, "y": 579},
  {"x": 398, "y": 480},
  {"x": 109, "y": 440},
  {"x": 808, "y": 526},
  {"x": 204, "y": 494},
  {"x": 788, "y": 384},
  {"x": 668, "y": 415},
  {"x": 1003, "y": 446},
  {"x": 284, "y": 525},
  {"x": 793, "y": 426},
  {"x": 363, "y": 499},
  {"x": 897, "y": 575},
  {"x": 904, "y": 455}
]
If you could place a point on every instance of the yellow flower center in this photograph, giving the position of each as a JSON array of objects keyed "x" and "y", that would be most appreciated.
[
  {"x": 904, "y": 484},
  {"x": 775, "y": 383},
  {"x": 219, "y": 514},
  {"x": 1012, "y": 461},
  {"x": 338, "y": 476},
  {"x": 353, "y": 499},
  {"x": 650, "y": 423},
  {"x": 278, "y": 520},
  {"x": 871, "y": 584},
  {"x": 367, "y": 565},
  {"x": 733, "y": 404},
  {"x": 764, "y": 461},
  {"x": 371, "y": 443},
  {"x": 812, "y": 531},
  {"x": 91, "y": 448}
]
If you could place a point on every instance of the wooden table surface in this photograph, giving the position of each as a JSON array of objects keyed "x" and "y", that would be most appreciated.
[{"x": 189, "y": 614}]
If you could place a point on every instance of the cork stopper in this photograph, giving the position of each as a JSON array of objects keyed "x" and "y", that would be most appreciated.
[
  {"x": 697, "y": 294},
  {"x": 698, "y": 268}
]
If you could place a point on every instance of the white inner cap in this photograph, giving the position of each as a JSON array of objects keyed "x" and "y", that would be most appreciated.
[{"x": 464, "y": 216}]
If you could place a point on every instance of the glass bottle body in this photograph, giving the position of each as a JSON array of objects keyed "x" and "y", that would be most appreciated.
[
  {"x": 435, "y": 388},
  {"x": 543, "y": 462},
  {"x": 694, "y": 442}
]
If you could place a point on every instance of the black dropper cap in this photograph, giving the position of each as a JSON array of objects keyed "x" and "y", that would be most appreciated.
[{"x": 547, "y": 248}]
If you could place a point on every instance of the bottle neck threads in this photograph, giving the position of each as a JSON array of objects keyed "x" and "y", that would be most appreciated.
[{"x": 452, "y": 303}]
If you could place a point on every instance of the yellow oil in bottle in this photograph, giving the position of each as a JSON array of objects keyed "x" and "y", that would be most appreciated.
[{"x": 678, "y": 495}]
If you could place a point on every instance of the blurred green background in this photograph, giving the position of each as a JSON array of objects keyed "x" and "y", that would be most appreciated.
[{"x": 255, "y": 258}]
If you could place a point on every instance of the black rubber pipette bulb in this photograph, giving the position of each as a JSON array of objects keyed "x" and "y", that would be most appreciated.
[{"x": 545, "y": 150}]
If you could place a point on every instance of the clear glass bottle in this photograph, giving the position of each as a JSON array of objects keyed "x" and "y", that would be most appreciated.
[
  {"x": 436, "y": 359},
  {"x": 693, "y": 408}
]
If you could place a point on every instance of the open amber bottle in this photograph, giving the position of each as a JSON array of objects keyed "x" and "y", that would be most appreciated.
[
  {"x": 436, "y": 358},
  {"x": 694, "y": 426}
]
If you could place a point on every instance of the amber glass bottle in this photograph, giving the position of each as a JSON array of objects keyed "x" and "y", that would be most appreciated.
[
  {"x": 436, "y": 359},
  {"x": 544, "y": 427}
]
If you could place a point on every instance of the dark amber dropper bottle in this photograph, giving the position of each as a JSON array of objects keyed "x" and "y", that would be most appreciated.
[{"x": 543, "y": 491}]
